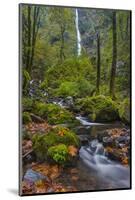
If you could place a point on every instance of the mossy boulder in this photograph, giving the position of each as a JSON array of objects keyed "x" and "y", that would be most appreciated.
[
  {"x": 54, "y": 114},
  {"x": 26, "y": 118},
  {"x": 58, "y": 135},
  {"x": 99, "y": 108},
  {"x": 124, "y": 111}
]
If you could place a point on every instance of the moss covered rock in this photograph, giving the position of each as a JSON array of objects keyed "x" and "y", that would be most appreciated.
[
  {"x": 58, "y": 135},
  {"x": 27, "y": 104},
  {"x": 26, "y": 118},
  {"x": 53, "y": 113},
  {"x": 98, "y": 108},
  {"x": 124, "y": 111}
]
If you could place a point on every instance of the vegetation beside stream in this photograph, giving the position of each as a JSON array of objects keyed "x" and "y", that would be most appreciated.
[{"x": 58, "y": 85}]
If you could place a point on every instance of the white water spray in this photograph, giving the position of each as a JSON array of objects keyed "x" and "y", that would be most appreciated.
[{"x": 78, "y": 35}]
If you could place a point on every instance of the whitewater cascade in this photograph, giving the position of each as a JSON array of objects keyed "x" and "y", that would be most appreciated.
[{"x": 78, "y": 35}]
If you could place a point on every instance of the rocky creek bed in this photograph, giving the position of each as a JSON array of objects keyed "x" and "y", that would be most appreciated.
[{"x": 103, "y": 161}]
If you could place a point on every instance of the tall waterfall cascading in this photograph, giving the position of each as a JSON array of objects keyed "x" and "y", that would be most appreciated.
[{"x": 78, "y": 35}]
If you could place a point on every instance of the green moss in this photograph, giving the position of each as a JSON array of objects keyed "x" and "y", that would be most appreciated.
[
  {"x": 124, "y": 111},
  {"x": 25, "y": 82},
  {"x": 58, "y": 135},
  {"x": 53, "y": 113},
  {"x": 58, "y": 153},
  {"x": 27, "y": 104},
  {"x": 26, "y": 118},
  {"x": 99, "y": 108}
]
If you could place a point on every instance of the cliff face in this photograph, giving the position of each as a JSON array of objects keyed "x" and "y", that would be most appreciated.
[{"x": 91, "y": 22}]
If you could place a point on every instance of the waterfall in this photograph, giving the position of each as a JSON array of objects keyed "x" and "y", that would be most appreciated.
[{"x": 78, "y": 35}]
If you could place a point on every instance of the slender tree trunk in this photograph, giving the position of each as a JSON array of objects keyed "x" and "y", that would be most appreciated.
[
  {"x": 34, "y": 33},
  {"x": 62, "y": 55},
  {"x": 114, "y": 57},
  {"x": 29, "y": 39},
  {"x": 127, "y": 27},
  {"x": 98, "y": 63}
]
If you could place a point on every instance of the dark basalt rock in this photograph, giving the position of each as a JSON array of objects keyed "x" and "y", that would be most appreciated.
[{"x": 83, "y": 139}]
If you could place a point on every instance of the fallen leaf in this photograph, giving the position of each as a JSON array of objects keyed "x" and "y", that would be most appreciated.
[{"x": 72, "y": 150}]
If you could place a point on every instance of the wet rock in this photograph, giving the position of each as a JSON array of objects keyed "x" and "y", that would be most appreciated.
[
  {"x": 108, "y": 141},
  {"x": 34, "y": 176},
  {"x": 81, "y": 130},
  {"x": 115, "y": 155},
  {"x": 123, "y": 139},
  {"x": 83, "y": 139},
  {"x": 69, "y": 101},
  {"x": 101, "y": 135}
]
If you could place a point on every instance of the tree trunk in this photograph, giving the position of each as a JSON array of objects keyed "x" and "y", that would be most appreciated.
[
  {"x": 114, "y": 57},
  {"x": 62, "y": 55},
  {"x": 98, "y": 63},
  {"x": 34, "y": 33},
  {"x": 29, "y": 40}
]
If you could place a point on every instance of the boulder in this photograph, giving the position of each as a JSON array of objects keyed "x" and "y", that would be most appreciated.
[
  {"x": 34, "y": 176},
  {"x": 108, "y": 141}
]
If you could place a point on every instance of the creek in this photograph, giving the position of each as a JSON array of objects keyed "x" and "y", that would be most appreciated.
[{"x": 96, "y": 170}]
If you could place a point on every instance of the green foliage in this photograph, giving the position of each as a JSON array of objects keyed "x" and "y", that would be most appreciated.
[
  {"x": 26, "y": 81},
  {"x": 39, "y": 146},
  {"x": 124, "y": 111},
  {"x": 58, "y": 135},
  {"x": 26, "y": 118},
  {"x": 58, "y": 153},
  {"x": 99, "y": 108},
  {"x": 26, "y": 135},
  {"x": 78, "y": 88},
  {"x": 27, "y": 104},
  {"x": 53, "y": 113},
  {"x": 72, "y": 69},
  {"x": 67, "y": 88}
]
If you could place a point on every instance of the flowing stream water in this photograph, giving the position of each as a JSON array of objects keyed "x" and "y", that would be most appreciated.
[
  {"x": 93, "y": 163},
  {"x": 78, "y": 34}
]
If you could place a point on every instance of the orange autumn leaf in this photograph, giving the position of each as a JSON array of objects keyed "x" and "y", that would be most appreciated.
[
  {"x": 61, "y": 133},
  {"x": 52, "y": 171},
  {"x": 72, "y": 150},
  {"x": 125, "y": 161},
  {"x": 109, "y": 149}
]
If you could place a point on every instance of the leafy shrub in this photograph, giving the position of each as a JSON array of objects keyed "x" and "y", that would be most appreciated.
[
  {"x": 99, "y": 108},
  {"x": 58, "y": 153},
  {"x": 84, "y": 87},
  {"x": 78, "y": 88},
  {"x": 70, "y": 70},
  {"x": 26, "y": 118},
  {"x": 67, "y": 88},
  {"x": 124, "y": 111}
]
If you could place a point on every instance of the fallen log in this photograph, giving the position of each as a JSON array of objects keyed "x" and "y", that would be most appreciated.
[
  {"x": 26, "y": 154},
  {"x": 36, "y": 118}
]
